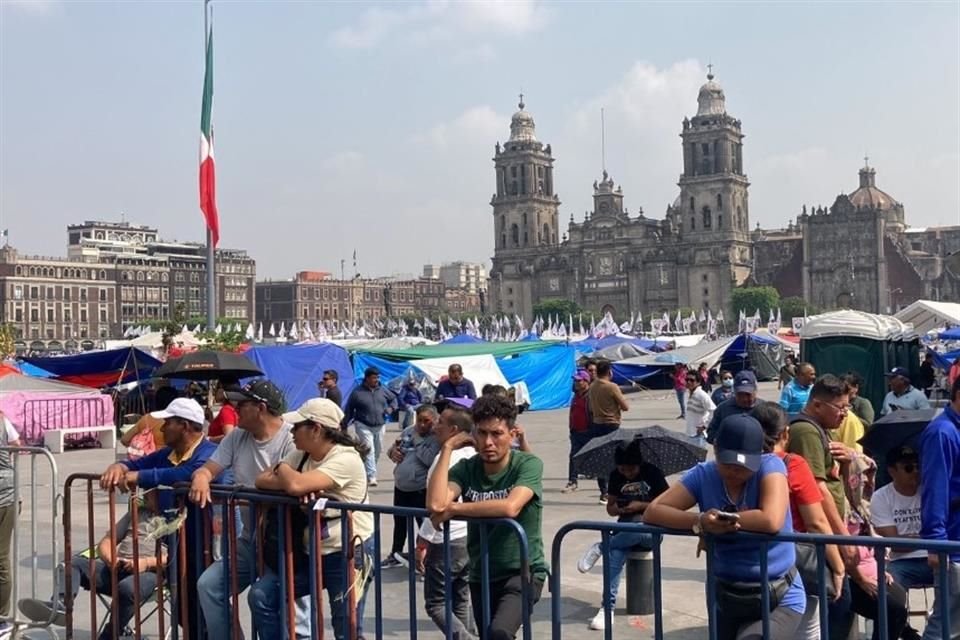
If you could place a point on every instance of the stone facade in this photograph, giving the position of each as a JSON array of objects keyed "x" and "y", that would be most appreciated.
[{"x": 859, "y": 253}]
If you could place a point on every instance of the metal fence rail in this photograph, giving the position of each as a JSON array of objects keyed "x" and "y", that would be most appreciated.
[
  {"x": 51, "y": 520},
  {"x": 879, "y": 545},
  {"x": 61, "y": 413}
]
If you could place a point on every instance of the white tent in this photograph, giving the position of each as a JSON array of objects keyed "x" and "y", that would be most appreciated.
[
  {"x": 927, "y": 315},
  {"x": 858, "y": 324},
  {"x": 709, "y": 352},
  {"x": 481, "y": 370}
]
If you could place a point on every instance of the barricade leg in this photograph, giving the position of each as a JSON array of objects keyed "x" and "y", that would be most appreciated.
[{"x": 945, "y": 603}]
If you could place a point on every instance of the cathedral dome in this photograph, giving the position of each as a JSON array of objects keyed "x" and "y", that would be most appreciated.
[
  {"x": 868, "y": 196},
  {"x": 710, "y": 100},
  {"x": 522, "y": 127}
]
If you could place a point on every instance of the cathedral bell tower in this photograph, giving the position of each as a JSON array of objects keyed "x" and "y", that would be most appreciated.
[
  {"x": 525, "y": 213},
  {"x": 713, "y": 208}
]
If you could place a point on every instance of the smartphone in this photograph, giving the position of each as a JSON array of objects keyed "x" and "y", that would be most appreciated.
[{"x": 728, "y": 517}]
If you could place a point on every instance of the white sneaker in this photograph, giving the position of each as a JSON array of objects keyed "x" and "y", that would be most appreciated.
[
  {"x": 598, "y": 622},
  {"x": 372, "y": 482},
  {"x": 590, "y": 557}
]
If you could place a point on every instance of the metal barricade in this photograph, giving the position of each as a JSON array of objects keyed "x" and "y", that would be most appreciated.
[
  {"x": 50, "y": 518},
  {"x": 61, "y": 413},
  {"x": 880, "y": 545}
]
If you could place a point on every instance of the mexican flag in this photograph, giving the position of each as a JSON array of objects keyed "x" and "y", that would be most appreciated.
[{"x": 208, "y": 182}]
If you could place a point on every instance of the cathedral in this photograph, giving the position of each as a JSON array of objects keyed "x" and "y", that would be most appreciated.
[{"x": 858, "y": 253}]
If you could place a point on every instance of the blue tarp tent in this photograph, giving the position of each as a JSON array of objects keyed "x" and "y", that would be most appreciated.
[
  {"x": 950, "y": 334},
  {"x": 462, "y": 338},
  {"x": 389, "y": 369},
  {"x": 100, "y": 368},
  {"x": 33, "y": 371},
  {"x": 944, "y": 361},
  {"x": 296, "y": 369}
]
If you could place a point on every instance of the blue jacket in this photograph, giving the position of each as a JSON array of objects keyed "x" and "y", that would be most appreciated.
[
  {"x": 410, "y": 398},
  {"x": 447, "y": 389},
  {"x": 369, "y": 406},
  {"x": 794, "y": 398},
  {"x": 158, "y": 469},
  {"x": 940, "y": 471}
]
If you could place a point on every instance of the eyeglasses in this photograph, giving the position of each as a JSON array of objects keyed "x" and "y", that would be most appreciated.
[{"x": 842, "y": 408}]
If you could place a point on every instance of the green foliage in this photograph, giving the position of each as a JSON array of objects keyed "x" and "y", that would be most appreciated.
[
  {"x": 794, "y": 307},
  {"x": 559, "y": 307},
  {"x": 226, "y": 340},
  {"x": 749, "y": 299},
  {"x": 7, "y": 339}
]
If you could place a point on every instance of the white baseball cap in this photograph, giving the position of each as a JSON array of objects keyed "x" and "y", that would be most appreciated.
[
  {"x": 317, "y": 410},
  {"x": 185, "y": 408}
]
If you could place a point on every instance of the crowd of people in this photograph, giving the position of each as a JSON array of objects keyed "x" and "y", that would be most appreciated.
[{"x": 791, "y": 466}]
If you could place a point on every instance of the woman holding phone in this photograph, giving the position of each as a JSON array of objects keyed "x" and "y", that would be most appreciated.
[{"x": 742, "y": 489}]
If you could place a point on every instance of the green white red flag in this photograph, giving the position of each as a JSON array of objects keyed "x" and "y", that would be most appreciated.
[{"x": 208, "y": 182}]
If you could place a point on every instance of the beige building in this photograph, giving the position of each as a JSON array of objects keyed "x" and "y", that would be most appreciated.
[{"x": 471, "y": 276}]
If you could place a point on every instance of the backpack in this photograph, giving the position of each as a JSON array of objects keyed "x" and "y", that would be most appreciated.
[{"x": 299, "y": 525}]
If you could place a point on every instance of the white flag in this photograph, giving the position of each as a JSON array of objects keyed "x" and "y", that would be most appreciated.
[{"x": 272, "y": 332}]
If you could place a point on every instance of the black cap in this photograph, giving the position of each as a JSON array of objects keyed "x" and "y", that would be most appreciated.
[
  {"x": 261, "y": 391},
  {"x": 903, "y": 453},
  {"x": 371, "y": 371},
  {"x": 745, "y": 382},
  {"x": 898, "y": 371},
  {"x": 740, "y": 441}
]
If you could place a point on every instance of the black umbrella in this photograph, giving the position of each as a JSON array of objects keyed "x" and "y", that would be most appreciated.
[
  {"x": 208, "y": 365},
  {"x": 667, "y": 450},
  {"x": 901, "y": 427}
]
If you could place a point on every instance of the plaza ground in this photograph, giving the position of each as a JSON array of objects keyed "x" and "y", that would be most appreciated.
[{"x": 684, "y": 614}]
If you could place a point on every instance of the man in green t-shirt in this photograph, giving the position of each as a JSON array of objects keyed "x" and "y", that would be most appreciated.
[{"x": 496, "y": 483}]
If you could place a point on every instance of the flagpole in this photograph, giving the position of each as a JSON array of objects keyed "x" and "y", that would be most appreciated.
[{"x": 211, "y": 263}]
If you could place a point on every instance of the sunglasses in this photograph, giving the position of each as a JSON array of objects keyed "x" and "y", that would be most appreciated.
[
  {"x": 691, "y": 379},
  {"x": 908, "y": 467}
]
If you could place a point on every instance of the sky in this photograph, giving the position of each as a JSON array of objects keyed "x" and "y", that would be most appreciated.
[{"x": 370, "y": 127}]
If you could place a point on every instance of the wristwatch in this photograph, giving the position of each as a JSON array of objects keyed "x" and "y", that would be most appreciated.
[{"x": 697, "y": 527}]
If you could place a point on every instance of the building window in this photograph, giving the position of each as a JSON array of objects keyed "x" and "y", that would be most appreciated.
[
  {"x": 49, "y": 315},
  {"x": 50, "y": 293},
  {"x": 693, "y": 206},
  {"x": 719, "y": 202},
  {"x": 705, "y": 278},
  {"x": 83, "y": 315},
  {"x": 706, "y": 292},
  {"x": 707, "y": 218},
  {"x": 34, "y": 315},
  {"x": 693, "y": 223}
]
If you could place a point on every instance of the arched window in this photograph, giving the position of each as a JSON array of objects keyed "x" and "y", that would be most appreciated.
[
  {"x": 719, "y": 221},
  {"x": 503, "y": 239},
  {"x": 738, "y": 221},
  {"x": 546, "y": 233},
  {"x": 18, "y": 270},
  {"x": 693, "y": 206},
  {"x": 719, "y": 202},
  {"x": 139, "y": 275},
  {"x": 524, "y": 218},
  {"x": 693, "y": 223},
  {"x": 503, "y": 222},
  {"x": 515, "y": 235},
  {"x": 707, "y": 218}
]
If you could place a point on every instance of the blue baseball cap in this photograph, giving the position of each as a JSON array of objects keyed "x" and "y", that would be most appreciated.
[
  {"x": 740, "y": 441},
  {"x": 898, "y": 371},
  {"x": 745, "y": 382}
]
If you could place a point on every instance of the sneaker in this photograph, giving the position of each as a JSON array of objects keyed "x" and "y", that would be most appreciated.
[
  {"x": 590, "y": 557},
  {"x": 599, "y": 622},
  {"x": 393, "y": 561},
  {"x": 570, "y": 488},
  {"x": 371, "y": 482},
  {"x": 909, "y": 633},
  {"x": 602, "y": 499},
  {"x": 43, "y": 611}
]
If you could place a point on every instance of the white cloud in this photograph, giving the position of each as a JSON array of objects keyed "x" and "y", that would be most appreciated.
[
  {"x": 344, "y": 161},
  {"x": 440, "y": 20},
  {"x": 479, "y": 125}
]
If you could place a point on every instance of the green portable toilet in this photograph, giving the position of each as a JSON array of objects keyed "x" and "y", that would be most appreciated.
[{"x": 867, "y": 343}]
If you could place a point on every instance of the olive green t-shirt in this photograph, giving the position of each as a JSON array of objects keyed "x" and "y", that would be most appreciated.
[
  {"x": 810, "y": 442},
  {"x": 523, "y": 470}
]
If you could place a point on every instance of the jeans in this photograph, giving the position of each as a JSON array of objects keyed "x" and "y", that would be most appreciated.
[
  {"x": 599, "y": 429},
  {"x": 619, "y": 546},
  {"x": 126, "y": 597},
  {"x": 506, "y": 606},
  {"x": 372, "y": 436},
  {"x": 839, "y": 615},
  {"x": 682, "y": 401},
  {"x": 406, "y": 499},
  {"x": 8, "y": 519},
  {"x": 213, "y": 591},
  {"x": 408, "y": 417},
  {"x": 866, "y": 605},
  {"x": 809, "y": 627},
  {"x": 577, "y": 440},
  {"x": 783, "y": 626},
  {"x": 435, "y": 590},
  {"x": 911, "y": 573},
  {"x": 934, "y": 628},
  {"x": 267, "y": 611}
]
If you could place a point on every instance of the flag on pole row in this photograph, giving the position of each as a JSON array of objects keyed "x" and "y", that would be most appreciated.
[{"x": 208, "y": 190}]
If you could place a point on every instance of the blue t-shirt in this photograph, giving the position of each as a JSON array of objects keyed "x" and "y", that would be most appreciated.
[
  {"x": 737, "y": 559},
  {"x": 794, "y": 397}
]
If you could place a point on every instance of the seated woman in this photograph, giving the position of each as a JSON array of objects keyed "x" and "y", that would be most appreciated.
[
  {"x": 741, "y": 489},
  {"x": 632, "y": 486},
  {"x": 328, "y": 461}
]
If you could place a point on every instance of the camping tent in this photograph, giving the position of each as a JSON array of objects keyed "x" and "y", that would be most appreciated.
[
  {"x": 35, "y": 404},
  {"x": 928, "y": 315},
  {"x": 100, "y": 368},
  {"x": 463, "y": 338},
  {"x": 863, "y": 342},
  {"x": 296, "y": 369},
  {"x": 639, "y": 368}
]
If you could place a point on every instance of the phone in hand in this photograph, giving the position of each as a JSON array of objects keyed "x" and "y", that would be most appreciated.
[{"x": 728, "y": 517}]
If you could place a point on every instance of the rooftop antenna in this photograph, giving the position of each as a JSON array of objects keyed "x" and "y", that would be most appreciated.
[
  {"x": 710, "y": 71},
  {"x": 603, "y": 143},
  {"x": 866, "y": 162}
]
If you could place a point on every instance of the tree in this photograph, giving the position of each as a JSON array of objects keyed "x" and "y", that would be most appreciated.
[
  {"x": 7, "y": 340},
  {"x": 558, "y": 307},
  {"x": 749, "y": 299},
  {"x": 796, "y": 307}
]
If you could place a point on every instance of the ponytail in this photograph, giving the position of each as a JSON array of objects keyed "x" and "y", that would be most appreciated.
[{"x": 343, "y": 438}]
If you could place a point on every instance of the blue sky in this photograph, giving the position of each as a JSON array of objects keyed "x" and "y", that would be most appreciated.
[{"x": 372, "y": 126}]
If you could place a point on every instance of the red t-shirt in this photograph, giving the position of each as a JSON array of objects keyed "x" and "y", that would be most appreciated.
[
  {"x": 579, "y": 413},
  {"x": 680, "y": 379},
  {"x": 227, "y": 415},
  {"x": 803, "y": 487}
]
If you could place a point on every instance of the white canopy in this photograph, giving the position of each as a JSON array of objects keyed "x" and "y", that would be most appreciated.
[
  {"x": 927, "y": 315},
  {"x": 709, "y": 352},
  {"x": 858, "y": 324}
]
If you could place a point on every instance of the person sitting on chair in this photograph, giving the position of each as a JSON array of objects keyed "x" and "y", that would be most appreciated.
[{"x": 99, "y": 576}]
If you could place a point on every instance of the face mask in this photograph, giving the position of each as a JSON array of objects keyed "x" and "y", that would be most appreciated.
[{"x": 728, "y": 383}]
